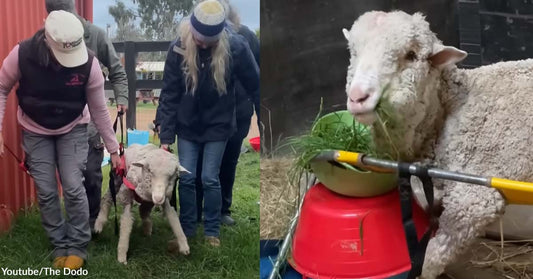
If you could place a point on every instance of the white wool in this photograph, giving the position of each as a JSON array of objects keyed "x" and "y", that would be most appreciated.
[
  {"x": 476, "y": 121},
  {"x": 158, "y": 174},
  {"x": 153, "y": 172}
]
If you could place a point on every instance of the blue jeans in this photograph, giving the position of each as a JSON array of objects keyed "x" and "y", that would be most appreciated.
[
  {"x": 228, "y": 168},
  {"x": 188, "y": 152}
]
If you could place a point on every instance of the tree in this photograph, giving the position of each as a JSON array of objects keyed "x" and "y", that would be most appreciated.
[
  {"x": 125, "y": 19},
  {"x": 159, "y": 18}
]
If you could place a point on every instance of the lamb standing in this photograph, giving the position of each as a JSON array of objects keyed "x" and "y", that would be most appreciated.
[
  {"x": 476, "y": 121},
  {"x": 154, "y": 172}
]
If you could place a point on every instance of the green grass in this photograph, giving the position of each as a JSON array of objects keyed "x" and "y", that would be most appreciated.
[{"x": 238, "y": 257}]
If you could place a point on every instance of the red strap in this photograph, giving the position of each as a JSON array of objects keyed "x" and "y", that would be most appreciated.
[
  {"x": 122, "y": 169},
  {"x": 122, "y": 172},
  {"x": 22, "y": 163},
  {"x": 23, "y": 167},
  {"x": 132, "y": 188},
  {"x": 128, "y": 183}
]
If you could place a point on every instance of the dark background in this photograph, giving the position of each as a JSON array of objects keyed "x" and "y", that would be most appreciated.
[{"x": 305, "y": 55}]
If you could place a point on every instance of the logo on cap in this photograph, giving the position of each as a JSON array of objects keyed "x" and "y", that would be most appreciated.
[{"x": 69, "y": 45}]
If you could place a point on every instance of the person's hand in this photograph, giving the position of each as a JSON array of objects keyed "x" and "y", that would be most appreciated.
[
  {"x": 123, "y": 108},
  {"x": 164, "y": 147},
  {"x": 155, "y": 127},
  {"x": 1, "y": 145},
  {"x": 115, "y": 160}
]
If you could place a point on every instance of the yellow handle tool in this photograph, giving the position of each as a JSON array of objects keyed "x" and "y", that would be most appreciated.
[{"x": 515, "y": 192}]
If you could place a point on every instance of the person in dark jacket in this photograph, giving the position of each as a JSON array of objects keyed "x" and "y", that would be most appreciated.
[
  {"x": 198, "y": 105},
  {"x": 244, "y": 112},
  {"x": 59, "y": 83},
  {"x": 96, "y": 40}
]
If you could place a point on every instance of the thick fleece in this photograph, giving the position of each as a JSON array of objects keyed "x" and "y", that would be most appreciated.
[
  {"x": 153, "y": 172},
  {"x": 476, "y": 121}
]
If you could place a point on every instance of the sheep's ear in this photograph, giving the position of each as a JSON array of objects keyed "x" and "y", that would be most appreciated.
[
  {"x": 346, "y": 33},
  {"x": 183, "y": 170},
  {"x": 443, "y": 56}
]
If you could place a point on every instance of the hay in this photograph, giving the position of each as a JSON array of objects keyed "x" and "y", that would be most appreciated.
[
  {"x": 513, "y": 260},
  {"x": 488, "y": 259},
  {"x": 279, "y": 198}
]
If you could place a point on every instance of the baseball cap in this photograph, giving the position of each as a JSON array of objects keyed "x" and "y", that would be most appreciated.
[{"x": 64, "y": 34}]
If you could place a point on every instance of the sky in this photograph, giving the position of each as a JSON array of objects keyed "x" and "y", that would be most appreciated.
[{"x": 247, "y": 9}]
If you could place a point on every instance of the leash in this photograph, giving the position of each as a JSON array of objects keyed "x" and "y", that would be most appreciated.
[
  {"x": 116, "y": 175},
  {"x": 22, "y": 163}
]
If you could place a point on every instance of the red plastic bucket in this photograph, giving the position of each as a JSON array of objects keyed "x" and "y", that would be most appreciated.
[
  {"x": 347, "y": 237},
  {"x": 256, "y": 143}
]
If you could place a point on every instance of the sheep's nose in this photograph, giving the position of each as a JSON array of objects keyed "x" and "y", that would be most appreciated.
[
  {"x": 158, "y": 199},
  {"x": 358, "y": 96},
  {"x": 363, "y": 98}
]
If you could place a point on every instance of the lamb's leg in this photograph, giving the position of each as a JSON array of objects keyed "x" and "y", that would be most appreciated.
[
  {"x": 172, "y": 217},
  {"x": 468, "y": 209},
  {"x": 144, "y": 210},
  {"x": 126, "y": 223},
  {"x": 105, "y": 204}
]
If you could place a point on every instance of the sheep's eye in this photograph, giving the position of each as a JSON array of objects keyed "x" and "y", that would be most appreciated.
[{"x": 410, "y": 56}]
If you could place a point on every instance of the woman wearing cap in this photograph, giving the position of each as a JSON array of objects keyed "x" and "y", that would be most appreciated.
[
  {"x": 60, "y": 82},
  {"x": 198, "y": 104}
]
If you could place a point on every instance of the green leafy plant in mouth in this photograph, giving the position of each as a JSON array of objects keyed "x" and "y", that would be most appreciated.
[
  {"x": 354, "y": 137},
  {"x": 388, "y": 126},
  {"x": 337, "y": 135}
]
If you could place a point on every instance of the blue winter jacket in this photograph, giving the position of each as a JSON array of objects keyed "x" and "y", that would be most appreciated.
[{"x": 206, "y": 115}]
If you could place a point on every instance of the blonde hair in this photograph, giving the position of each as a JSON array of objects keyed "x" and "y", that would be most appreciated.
[
  {"x": 231, "y": 14},
  {"x": 220, "y": 56}
]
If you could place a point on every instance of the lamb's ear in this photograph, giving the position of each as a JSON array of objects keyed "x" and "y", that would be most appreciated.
[
  {"x": 443, "y": 56},
  {"x": 346, "y": 33},
  {"x": 140, "y": 163}
]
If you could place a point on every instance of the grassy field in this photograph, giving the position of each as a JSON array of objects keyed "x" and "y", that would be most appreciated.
[{"x": 27, "y": 246}]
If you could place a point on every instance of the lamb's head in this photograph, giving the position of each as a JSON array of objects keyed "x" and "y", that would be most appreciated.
[
  {"x": 394, "y": 51},
  {"x": 160, "y": 169}
]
